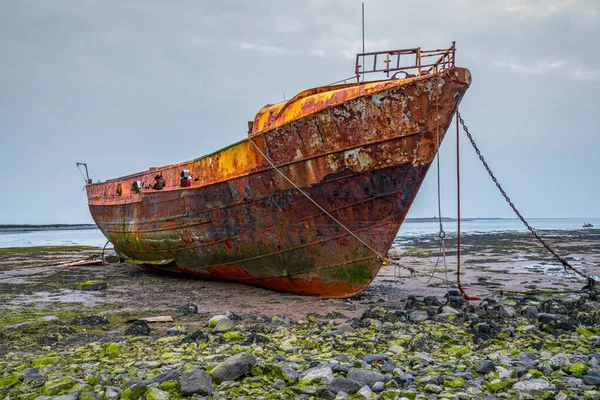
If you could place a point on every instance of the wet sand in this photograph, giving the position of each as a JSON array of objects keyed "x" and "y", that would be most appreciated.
[{"x": 493, "y": 266}]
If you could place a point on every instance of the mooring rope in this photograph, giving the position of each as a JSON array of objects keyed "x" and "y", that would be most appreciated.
[
  {"x": 442, "y": 233},
  {"x": 380, "y": 256},
  {"x": 104, "y": 248},
  {"x": 460, "y": 287}
]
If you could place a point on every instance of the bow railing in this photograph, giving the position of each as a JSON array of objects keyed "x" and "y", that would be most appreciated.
[{"x": 410, "y": 62}]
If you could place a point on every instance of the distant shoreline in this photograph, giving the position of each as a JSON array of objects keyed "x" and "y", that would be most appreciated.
[
  {"x": 64, "y": 227},
  {"x": 51, "y": 227}
]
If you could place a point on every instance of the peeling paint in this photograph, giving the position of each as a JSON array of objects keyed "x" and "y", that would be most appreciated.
[{"x": 360, "y": 151}]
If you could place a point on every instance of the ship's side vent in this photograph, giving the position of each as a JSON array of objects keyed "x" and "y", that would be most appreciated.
[
  {"x": 136, "y": 187},
  {"x": 159, "y": 182}
]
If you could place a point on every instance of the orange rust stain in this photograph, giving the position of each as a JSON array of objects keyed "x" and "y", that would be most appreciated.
[
  {"x": 314, "y": 286},
  {"x": 232, "y": 271},
  {"x": 314, "y": 100}
]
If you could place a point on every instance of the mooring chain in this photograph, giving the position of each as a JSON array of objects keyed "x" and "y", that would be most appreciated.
[{"x": 514, "y": 208}]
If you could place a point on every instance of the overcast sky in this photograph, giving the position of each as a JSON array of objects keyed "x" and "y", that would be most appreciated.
[{"x": 125, "y": 85}]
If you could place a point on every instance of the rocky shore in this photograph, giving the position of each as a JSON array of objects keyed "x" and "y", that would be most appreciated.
[
  {"x": 533, "y": 335},
  {"x": 431, "y": 348}
]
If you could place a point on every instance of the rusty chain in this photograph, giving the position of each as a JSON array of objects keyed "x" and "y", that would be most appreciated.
[{"x": 514, "y": 208}]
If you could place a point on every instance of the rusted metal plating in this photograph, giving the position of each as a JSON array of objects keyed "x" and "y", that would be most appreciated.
[{"x": 360, "y": 151}]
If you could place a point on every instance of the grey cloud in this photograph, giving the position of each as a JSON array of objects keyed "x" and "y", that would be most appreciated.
[{"x": 126, "y": 85}]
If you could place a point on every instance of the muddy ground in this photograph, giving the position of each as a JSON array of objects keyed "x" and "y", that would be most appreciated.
[{"x": 35, "y": 292}]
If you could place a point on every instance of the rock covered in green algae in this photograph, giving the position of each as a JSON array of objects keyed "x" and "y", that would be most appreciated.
[
  {"x": 223, "y": 325},
  {"x": 54, "y": 387},
  {"x": 111, "y": 350},
  {"x": 234, "y": 336},
  {"x": 90, "y": 285},
  {"x": 215, "y": 320},
  {"x": 10, "y": 381},
  {"x": 434, "y": 358}
]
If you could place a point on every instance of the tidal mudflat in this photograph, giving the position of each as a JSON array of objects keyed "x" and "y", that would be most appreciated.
[{"x": 534, "y": 334}]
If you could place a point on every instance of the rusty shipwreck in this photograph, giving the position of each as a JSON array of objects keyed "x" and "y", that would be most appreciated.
[{"x": 313, "y": 197}]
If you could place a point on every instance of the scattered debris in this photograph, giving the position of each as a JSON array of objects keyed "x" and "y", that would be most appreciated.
[{"x": 162, "y": 318}]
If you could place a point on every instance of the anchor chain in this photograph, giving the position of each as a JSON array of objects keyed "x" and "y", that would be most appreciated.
[{"x": 564, "y": 262}]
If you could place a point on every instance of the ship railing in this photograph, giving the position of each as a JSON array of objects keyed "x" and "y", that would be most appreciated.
[{"x": 410, "y": 62}]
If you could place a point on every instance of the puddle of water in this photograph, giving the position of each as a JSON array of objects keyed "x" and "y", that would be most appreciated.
[
  {"x": 67, "y": 296},
  {"x": 26, "y": 272}
]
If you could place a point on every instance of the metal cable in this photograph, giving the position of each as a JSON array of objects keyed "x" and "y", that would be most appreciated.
[
  {"x": 564, "y": 263},
  {"x": 380, "y": 256},
  {"x": 441, "y": 234},
  {"x": 460, "y": 287}
]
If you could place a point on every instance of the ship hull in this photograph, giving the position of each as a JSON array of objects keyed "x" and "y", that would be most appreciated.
[{"x": 362, "y": 160}]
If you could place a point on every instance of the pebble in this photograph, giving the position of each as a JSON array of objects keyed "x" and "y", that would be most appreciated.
[
  {"x": 507, "y": 311},
  {"x": 591, "y": 380},
  {"x": 418, "y": 316},
  {"x": 371, "y": 358},
  {"x": 432, "y": 388},
  {"x": 558, "y": 361},
  {"x": 323, "y": 392},
  {"x": 365, "y": 391},
  {"x": 70, "y": 396},
  {"x": 485, "y": 367},
  {"x": 187, "y": 309},
  {"x": 157, "y": 394},
  {"x": 111, "y": 392},
  {"x": 232, "y": 316},
  {"x": 279, "y": 384},
  {"x": 388, "y": 367},
  {"x": 379, "y": 387}
]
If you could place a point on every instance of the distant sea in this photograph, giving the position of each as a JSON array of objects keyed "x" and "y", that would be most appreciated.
[
  {"x": 90, "y": 235},
  {"x": 420, "y": 227}
]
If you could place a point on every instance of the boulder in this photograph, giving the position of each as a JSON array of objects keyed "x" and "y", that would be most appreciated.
[
  {"x": 234, "y": 367},
  {"x": 534, "y": 385},
  {"x": 163, "y": 377},
  {"x": 365, "y": 377},
  {"x": 324, "y": 374},
  {"x": 223, "y": 325},
  {"x": 196, "y": 381},
  {"x": 138, "y": 328},
  {"x": 344, "y": 385}
]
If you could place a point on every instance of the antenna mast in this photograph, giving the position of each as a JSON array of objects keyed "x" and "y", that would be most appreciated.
[{"x": 363, "y": 38}]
